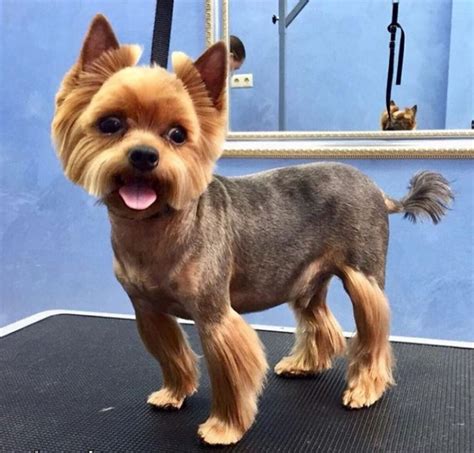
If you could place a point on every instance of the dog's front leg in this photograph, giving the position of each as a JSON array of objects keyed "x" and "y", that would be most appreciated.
[
  {"x": 165, "y": 340},
  {"x": 237, "y": 366}
]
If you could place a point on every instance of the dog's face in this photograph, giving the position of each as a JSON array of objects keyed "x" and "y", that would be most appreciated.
[
  {"x": 402, "y": 120},
  {"x": 140, "y": 138}
]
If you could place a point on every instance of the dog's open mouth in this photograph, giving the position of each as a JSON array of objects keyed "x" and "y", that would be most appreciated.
[{"x": 137, "y": 195}]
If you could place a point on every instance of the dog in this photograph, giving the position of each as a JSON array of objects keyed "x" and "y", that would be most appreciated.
[
  {"x": 402, "y": 120},
  {"x": 195, "y": 245}
]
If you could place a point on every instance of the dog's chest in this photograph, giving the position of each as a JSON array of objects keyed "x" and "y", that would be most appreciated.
[
  {"x": 146, "y": 257},
  {"x": 159, "y": 280}
]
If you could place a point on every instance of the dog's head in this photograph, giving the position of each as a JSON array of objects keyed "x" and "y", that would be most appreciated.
[
  {"x": 402, "y": 120},
  {"x": 140, "y": 138}
]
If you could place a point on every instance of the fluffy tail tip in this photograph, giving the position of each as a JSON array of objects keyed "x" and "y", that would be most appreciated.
[{"x": 429, "y": 196}]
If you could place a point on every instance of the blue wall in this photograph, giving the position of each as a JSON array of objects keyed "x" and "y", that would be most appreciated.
[
  {"x": 337, "y": 56},
  {"x": 460, "y": 102},
  {"x": 55, "y": 250},
  {"x": 257, "y": 108}
]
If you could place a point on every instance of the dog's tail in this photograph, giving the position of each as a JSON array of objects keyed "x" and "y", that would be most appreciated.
[{"x": 429, "y": 195}]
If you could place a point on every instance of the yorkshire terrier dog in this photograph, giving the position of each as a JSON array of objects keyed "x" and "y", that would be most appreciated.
[
  {"x": 192, "y": 245},
  {"x": 402, "y": 120}
]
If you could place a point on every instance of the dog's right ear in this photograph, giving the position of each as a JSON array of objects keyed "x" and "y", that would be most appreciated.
[
  {"x": 99, "y": 39},
  {"x": 101, "y": 50},
  {"x": 101, "y": 56}
]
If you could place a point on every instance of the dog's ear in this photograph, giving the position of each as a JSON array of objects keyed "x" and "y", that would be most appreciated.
[
  {"x": 99, "y": 39},
  {"x": 414, "y": 109},
  {"x": 101, "y": 56},
  {"x": 102, "y": 49},
  {"x": 209, "y": 69},
  {"x": 392, "y": 102},
  {"x": 212, "y": 65}
]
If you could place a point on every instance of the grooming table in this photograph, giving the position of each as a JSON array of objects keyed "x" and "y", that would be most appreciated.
[{"x": 79, "y": 383}]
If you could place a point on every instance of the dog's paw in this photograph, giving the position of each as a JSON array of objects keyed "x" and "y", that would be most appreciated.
[
  {"x": 216, "y": 432},
  {"x": 362, "y": 395},
  {"x": 292, "y": 367},
  {"x": 364, "y": 388},
  {"x": 165, "y": 399}
]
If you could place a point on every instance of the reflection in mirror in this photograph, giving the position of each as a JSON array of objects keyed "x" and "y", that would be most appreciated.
[{"x": 324, "y": 66}]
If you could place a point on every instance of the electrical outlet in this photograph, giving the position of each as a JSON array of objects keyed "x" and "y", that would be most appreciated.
[{"x": 241, "y": 81}]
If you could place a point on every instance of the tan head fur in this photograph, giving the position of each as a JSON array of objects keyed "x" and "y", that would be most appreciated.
[
  {"x": 147, "y": 103},
  {"x": 402, "y": 120}
]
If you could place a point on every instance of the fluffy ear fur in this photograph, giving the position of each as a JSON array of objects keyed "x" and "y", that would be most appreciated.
[
  {"x": 207, "y": 75},
  {"x": 100, "y": 57},
  {"x": 99, "y": 39},
  {"x": 212, "y": 65}
]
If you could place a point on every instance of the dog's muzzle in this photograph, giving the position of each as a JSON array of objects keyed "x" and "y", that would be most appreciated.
[{"x": 143, "y": 158}]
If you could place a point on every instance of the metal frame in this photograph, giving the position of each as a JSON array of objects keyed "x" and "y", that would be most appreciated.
[
  {"x": 210, "y": 21},
  {"x": 258, "y": 150},
  {"x": 22, "y": 323}
]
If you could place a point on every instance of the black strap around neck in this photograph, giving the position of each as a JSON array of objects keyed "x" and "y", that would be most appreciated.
[
  {"x": 392, "y": 28},
  {"x": 161, "y": 33}
]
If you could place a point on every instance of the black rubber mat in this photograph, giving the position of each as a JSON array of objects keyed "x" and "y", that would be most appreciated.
[{"x": 75, "y": 383}]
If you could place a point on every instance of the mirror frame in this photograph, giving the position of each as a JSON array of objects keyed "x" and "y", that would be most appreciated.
[{"x": 217, "y": 18}]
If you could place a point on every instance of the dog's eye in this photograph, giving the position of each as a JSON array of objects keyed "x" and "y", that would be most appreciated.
[
  {"x": 177, "y": 135},
  {"x": 110, "y": 125}
]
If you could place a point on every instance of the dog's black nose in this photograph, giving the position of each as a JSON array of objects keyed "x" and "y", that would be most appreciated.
[{"x": 143, "y": 158}]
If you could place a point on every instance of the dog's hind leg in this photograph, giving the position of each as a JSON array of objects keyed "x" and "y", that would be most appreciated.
[
  {"x": 318, "y": 336},
  {"x": 165, "y": 340},
  {"x": 237, "y": 366},
  {"x": 370, "y": 355}
]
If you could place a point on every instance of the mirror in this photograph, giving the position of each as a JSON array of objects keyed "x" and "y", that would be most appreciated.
[{"x": 323, "y": 68}]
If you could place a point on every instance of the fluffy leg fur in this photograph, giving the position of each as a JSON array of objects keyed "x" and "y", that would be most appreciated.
[
  {"x": 237, "y": 367},
  {"x": 318, "y": 338},
  {"x": 165, "y": 340},
  {"x": 370, "y": 356}
]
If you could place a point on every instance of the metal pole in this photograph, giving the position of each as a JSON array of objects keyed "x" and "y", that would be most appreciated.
[
  {"x": 295, "y": 11},
  {"x": 281, "y": 79},
  {"x": 283, "y": 23}
]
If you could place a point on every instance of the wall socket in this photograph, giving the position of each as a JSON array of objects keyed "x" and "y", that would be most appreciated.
[{"x": 241, "y": 81}]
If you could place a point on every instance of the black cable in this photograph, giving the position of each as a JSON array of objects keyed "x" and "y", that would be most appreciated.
[
  {"x": 161, "y": 32},
  {"x": 392, "y": 28}
]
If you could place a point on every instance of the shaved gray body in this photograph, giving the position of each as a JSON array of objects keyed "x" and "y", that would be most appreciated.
[
  {"x": 278, "y": 222},
  {"x": 265, "y": 239}
]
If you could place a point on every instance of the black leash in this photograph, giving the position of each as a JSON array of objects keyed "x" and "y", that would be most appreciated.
[
  {"x": 392, "y": 28},
  {"x": 160, "y": 45}
]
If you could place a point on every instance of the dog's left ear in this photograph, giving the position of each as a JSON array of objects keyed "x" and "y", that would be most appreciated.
[
  {"x": 210, "y": 69},
  {"x": 212, "y": 65},
  {"x": 414, "y": 109}
]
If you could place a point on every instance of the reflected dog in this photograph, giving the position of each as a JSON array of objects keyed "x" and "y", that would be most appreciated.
[
  {"x": 402, "y": 120},
  {"x": 191, "y": 244}
]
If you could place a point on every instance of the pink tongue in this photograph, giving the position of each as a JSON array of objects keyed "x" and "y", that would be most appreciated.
[{"x": 137, "y": 196}]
